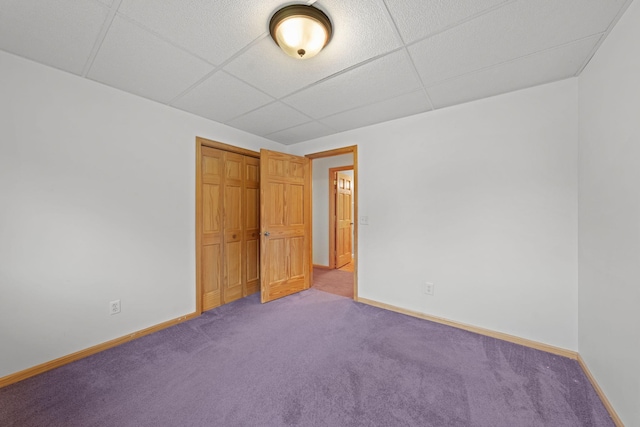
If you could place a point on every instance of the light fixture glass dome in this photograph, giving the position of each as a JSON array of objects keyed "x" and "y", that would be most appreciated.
[{"x": 301, "y": 31}]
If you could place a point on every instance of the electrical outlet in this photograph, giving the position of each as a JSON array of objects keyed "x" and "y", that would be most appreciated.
[
  {"x": 114, "y": 307},
  {"x": 428, "y": 288}
]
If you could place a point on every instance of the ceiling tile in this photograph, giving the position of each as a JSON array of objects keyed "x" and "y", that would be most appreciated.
[
  {"x": 222, "y": 97},
  {"x": 134, "y": 60},
  {"x": 512, "y": 31},
  {"x": 544, "y": 67},
  {"x": 361, "y": 31},
  {"x": 301, "y": 133},
  {"x": 381, "y": 79},
  {"x": 269, "y": 119},
  {"x": 394, "y": 108},
  {"x": 58, "y": 33},
  {"x": 213, "y": 30},
  {"x": 418, "y": 19}
]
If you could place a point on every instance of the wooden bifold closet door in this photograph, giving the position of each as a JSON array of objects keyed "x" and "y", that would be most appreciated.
[{"x": 230, "y": 226}]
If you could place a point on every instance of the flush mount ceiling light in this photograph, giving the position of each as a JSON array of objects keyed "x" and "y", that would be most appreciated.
[{"x": 301, "y": 31}]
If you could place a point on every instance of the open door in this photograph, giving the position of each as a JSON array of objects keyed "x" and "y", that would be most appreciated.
[
  {"x": 285, "y": 223},
  {"x": 344, "y": 220}
]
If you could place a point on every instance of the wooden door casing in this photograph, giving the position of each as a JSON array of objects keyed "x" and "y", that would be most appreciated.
[{"x": 285, "y": 206}]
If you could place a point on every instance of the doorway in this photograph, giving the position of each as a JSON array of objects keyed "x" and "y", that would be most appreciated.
[
  {"x": 341, "y": 216},
  {"x": 330, "y": 271}
]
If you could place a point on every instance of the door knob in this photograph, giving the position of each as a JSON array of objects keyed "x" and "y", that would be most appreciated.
[{"x": 267, "y": 234}]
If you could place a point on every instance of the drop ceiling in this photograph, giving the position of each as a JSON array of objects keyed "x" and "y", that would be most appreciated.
[{"x": 387, "y": 59}]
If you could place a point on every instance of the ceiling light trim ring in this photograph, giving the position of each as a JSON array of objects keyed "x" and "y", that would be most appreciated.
[{"x": 300, "y": 11}]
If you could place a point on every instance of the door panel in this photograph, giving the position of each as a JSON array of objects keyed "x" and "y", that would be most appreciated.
[
  {"x": 233, "y": 271},
  {"x": 212, "y": 269},
  {"x": 285, "y": 223},
  {"x": 233, "y": 232},
  {"x": 344, "y": 221}
]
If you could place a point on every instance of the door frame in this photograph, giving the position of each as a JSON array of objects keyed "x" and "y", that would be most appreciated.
[
  {"x": 353, "y": 149},
  {"x": 332, "y": 219},
  {"x": 203, "y": 142}
]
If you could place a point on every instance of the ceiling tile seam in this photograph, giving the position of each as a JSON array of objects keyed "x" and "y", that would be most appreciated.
[
  {"x": 613, "y": 23},
  {"x": 520, "y": 88},
  {"x": 338, "y": 73},
  {"x": 163, "y": 38},
  {"x": 393, "y": 23},
  {"x": 194, "y": 85},
  {"x": 500, "y": 64},
  {"x": 106, "y": 25},
  {"x": 591, "y": 54},
  {"x": 275, "y": 101},
  {"x": 221, "y": 68},
  {"x": 369, "y": 104},
  {"x": 419, "y": 77},
  {"x": 301, "y": 124},
  {"x": 413, "y": 65},
  {"x": 463, "y": 21}
]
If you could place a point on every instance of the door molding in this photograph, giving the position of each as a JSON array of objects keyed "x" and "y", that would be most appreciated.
[
  {"x": 352, "y": 149},
  {"x": 203, "y": 142},
  {"x": 332, "y": 219}
]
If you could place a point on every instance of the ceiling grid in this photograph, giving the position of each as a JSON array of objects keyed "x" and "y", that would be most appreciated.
[{"x": 387, "y": 58}]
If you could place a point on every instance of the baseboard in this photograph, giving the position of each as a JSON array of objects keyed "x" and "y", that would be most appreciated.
[
  {"x": 494, "y": 334},
  {"x": 612, "y": 412},
  {"x": 322, "y": 267},
  {"x": 56, "y": 363},
  {"x": 61, "y": 361}
]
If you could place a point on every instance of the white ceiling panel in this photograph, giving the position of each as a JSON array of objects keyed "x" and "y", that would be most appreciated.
[
  {"x": 513, "y": 31},
  {"x": 134, "y": 60},
  {"x": 213, "y": 30},
  {"x": 419, "y": 19},
  {"x": 301, "y": 133},
  {"x": 210, "y": 98},
  {"x": 362, "y": 30},
  {"x": 59, "y": 33},
  {"x": 545, "y": 67},
  {"x": 269, "y": 119},
  {"x": 384, "y": 78},
  {"x": 401, "y": 106},
  {"x": 215, "y": 58}
]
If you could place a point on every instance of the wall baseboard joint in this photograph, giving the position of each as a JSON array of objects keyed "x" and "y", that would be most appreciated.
[
  {"x": 61, "y": 361},
  {"x": 612, "y": 412},
  {"x": 487, "y": 332},
  {"x": 510, "y": 338}
]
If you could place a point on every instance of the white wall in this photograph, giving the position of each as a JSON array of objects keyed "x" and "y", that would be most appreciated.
[
  {"x": 320, "y": 203},
  {"x": 609, "y": 216},
  {"x": 480, "y": 199},
  {"x": 97, "y": 203}
]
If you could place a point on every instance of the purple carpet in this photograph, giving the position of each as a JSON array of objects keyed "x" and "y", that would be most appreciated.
[{"x": 311, "y": 359}]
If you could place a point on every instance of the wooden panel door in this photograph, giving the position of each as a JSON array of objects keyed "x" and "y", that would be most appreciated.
[
  {"x": 233, "y": 227},
  {"x": 285, "y": 221},
  {"x": 344, "y": 220},
  {"x": 212, "y": 166},
  {"x": 251, "y": 225}
]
